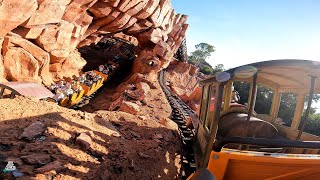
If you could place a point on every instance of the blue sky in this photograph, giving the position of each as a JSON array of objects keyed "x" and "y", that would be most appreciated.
[{"x": 245, "y": 31}]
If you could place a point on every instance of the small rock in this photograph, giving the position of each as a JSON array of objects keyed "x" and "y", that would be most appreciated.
[
  {"x": 144, "y": 102},
  {"x": 143, "y": 156},
  {"x": 84, "y": 141},
  {"x": 116, "y": 135},
  {"x": 122, "y": 118},
  {"x": 131, "y": 165},
  {"x": 134, "y": 134},
  {"x": 36, "y": 159},
  {"x": 142, "y": 117},
  {"x": 157, "y": 136},
  {"x": 138, "y": 94},
  {"x": 33, "y": 130},
  {"x": 143, "y": 86},
  {"x": 129, "y": 107},
  {"x": 17, "y": 173},
  {"x": 157, "y": 140},
  {"x": 166, "y": 138},
  {"x": 53, "y": 167},
  {"x": 151, "y": 106},
  {"x": 163, "y": 121},
  {"x": 138, "y": 102}
]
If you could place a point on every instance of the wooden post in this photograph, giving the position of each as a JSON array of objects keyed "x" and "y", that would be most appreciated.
[
  {"x": 306, "y": 115},
  {"x": 227, "y": 95},
  {"x": 252, "y": 102},
  {"x": 275, "y": 105},
  {"x": 298, "y": 112}
]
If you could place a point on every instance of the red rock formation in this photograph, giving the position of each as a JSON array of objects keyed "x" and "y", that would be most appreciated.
[
  {"x": 40, "y": 37},
  {"x": 183, "y": 81}
]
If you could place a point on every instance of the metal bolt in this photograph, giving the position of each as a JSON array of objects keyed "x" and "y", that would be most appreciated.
[{"x": 215, "y": 157}]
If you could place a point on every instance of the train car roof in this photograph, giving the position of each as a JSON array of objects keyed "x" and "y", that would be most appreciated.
[{"x": 284, "y": 73}]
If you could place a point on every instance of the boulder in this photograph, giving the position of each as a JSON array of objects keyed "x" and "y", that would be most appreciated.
[
  {"x": 137, "y": 8},
  {"x": 160, "y": 48},
  {"x": 29, "y": 33},
  {"x": 117, "y": 103},
  {"x": 130, "y": 107},
  {"x": 139, "y": 26},
  {"x": 20, "y": 65},
  {"x": 148, "y": 9},
  {"x": 84, "y": 141},
  {"x": 56, "y": 67},
  {"x": 37, "y": 159},
  {"x": 33, "y": 130},
  {"x": 14, "y": 13},
  {"x": 56, "y": 40},
  {"x": 101, "y": 9},
  {"x": 143, "y": 86},
  {"x": 117, "y": 24},
  {"x": 30, "y": 63},
  {"x": 48, "y": 12},
  {"x": 54, "y": 167},
  {"x": 138, "y": 94}
]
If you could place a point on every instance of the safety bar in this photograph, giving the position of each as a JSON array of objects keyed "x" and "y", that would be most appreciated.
[{"x": 218, "y": 145}]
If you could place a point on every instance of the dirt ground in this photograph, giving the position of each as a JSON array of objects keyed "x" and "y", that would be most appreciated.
[{"x": 124, "y": 146}]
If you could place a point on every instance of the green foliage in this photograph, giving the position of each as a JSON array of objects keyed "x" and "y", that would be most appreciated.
[
  {"x": 263, "y": 100},
  {"x": 199, "y": 56},
  {"x": 243, "y": 89},
  {"x": 206, "y": 70},
  {"x": 288, "y": 102},
  {"x": 218, "y": 68},
  {"x": 313, "y": 125}
]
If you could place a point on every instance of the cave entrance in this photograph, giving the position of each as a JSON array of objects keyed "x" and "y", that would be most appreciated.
[
  {"x": 112, "y": 49},
  {"x": 116, "y": 50}
]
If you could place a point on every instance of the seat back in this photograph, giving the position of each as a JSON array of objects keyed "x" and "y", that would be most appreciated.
[
  {"x": 74, "y": 97},
  {"x": 64, "y": 102},
  {"x": 104, "y": 76},
  {"x": 80, "y": 94},
  {"x": 85, "y": 88}
]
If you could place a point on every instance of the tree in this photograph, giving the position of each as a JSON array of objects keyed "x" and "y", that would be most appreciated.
[
  {"x": 218, "y": 68},
  {"x": 199, "y": 56},
  {"x": 206, "y": 70}
]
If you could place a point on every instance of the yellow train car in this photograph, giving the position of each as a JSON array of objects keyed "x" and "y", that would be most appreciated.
[{"x": 267, "y": 141}]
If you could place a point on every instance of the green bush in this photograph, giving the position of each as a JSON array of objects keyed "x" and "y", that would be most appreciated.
[{"x": 206, "y": 70}]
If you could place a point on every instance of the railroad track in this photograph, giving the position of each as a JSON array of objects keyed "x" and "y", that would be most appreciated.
[{"x": 180, "y": 113}]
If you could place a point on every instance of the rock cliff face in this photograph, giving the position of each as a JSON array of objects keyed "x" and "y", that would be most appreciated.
[
  {"x": 183, "y": 79},
  {"x": 39, "y": 38}
]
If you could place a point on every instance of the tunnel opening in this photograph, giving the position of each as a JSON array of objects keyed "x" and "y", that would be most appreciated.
[
  {"x": 119, "y": 49},
  {"x": 115, "y": 50}
]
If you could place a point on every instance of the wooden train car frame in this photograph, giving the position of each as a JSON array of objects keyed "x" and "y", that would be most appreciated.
[{"x": 303, "y": 162}]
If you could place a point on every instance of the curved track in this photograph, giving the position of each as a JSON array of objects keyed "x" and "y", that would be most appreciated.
[{"x": 180, "y": 113}]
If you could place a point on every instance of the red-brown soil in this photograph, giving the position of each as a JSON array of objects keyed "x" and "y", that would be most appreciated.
[{"x": 124, "y": 146}]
